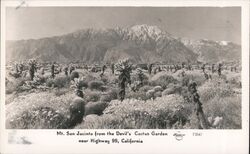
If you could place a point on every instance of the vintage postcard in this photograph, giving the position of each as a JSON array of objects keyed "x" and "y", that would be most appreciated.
[{"x": 124, "y": 76}]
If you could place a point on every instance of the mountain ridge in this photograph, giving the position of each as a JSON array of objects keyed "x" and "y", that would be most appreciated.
[{"x": 141, "y": 43}]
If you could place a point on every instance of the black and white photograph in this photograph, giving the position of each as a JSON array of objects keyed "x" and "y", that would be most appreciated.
[
  {"x": 124, "y": 77},
  {"x": 123, "y": 68}
]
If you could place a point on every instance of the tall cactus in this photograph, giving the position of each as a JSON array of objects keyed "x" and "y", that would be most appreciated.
[
  {"x": 150, "y": 66},
  {"x": 71, "y": 68},
  {"x": 53, "y": 70},
  {"x": 140, "y": 76},
  {"x": 78, "y": 87},
  {"x": 219, "y": 69},
  {"x": 113, "y": 68},
  {"x": 17, "y": 67},
  {"x": 195, "y": 98},
  {"x": 213, "y": 68},
  {"x": 125, "y": 68},
  {"x": 103, "y": 70},
  {"x": 65, "y": 69},
  {"x": 203, "y": 67},
  {"x": 32, "y": 68}
]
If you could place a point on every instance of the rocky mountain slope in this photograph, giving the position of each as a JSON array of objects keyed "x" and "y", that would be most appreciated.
[
  {"x": 214, "y": 51},
  {"x": 141, "y": 43}
]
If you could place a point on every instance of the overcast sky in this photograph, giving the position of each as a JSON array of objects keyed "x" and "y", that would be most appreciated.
[{"x": 195, "y": 23}]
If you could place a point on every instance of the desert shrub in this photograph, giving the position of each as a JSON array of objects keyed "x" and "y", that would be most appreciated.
[
  {"x": 163, "y": 112},
  {"x": 137, "y": 119},
  {"x": 59, "y": 82},
  {"x": 83, "y": 84},
  {"x": 157, "y": 88},
  {"x": 186, "y": 80},
  {"x": 140, "y": 95},
  {"x": 104, "y": 79},
  {"x": 50, "y": 82},
  {"x": 229, "y": 108},
  {"x": 9, "y": 88},
  {"x": 212, "y": 89},
  {"x": 74, "y": 75},
  {"x": 94, "y": 121},
  {"x": 95, "y": 85},
  {"x": 89, "y": 77},
  {"x": 67, "y": 105},
  {"x": 93, "y": 96},
  {"x": 133, "y": 120},
  {"x": 172, "y": 89},
  {"x": 220, "y": 100},
  {"x": 158, "y": 94},
  {"x": 162, "y": 79},
  {"x": 77, "y": 111},
  {"x": 110, "y": 95},
  {"x": 234, "y": 79},
  {"x": 38, "y": 118},
  {"x": 59, "y": 92},
  {"x": 35, "y": 100},
  {"x": 196, "y": 76},
  {"x": 141, "y": 76},
  {"x": 62, "y": 81},
  {"x": 135, "y": 114},
  {"x": 145, "y": 88},
  {"x": 43, "y": 78},
  {"x": 150, "y": 94},
  {"x": 48, "y": 118},
  {"x": 95, "y": 108},
  {"x": 15, "y": 85}
]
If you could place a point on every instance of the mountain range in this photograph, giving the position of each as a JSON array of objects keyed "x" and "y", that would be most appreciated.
[{"x": 140, "y": 43}]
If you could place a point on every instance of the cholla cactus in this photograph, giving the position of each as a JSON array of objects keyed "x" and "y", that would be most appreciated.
[
  {"x": 16, "y": 67},
  {"x": 113, "y": 68},
  {"x": 140, "y": 78},
  {"x": 140, "y": 75},
  {"x": 32, "y": 68},
  {"x": 150, "y": 66},
  {"x": 32, "y": 61},
  {"x": 195, "y": 98},
  {"x": 78, "y": 87},
  {"x": 125, "y": 68},
  {"x": 219, "y": 69},
  {"x": 124, "y": 65}
]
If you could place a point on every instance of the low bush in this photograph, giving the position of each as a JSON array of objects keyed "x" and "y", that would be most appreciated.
[
  {"x": 15, "y": 85},
  {"x": 162, "y": 79},
  {"x": 62, "y": 81},
  {"x": 234, "y": 79},
  {"x": 228, "y": 107},
  {"x": 50, "y": 82},
  {"x": 96, "y": 85},
  {"x": 196, "y": 76},
  {"x": 38, "y": 118},
  {"x": 140, "y": 95},
  {"x": 74, "y": 75},
  {"x": 172, "y": 89},
  {"x": 92, "y": 96},
  {"x": 59, "y": 82},
  {"x": 110, "y": 95},
  {"x": 35, "y": 100},
  {"x": 145, "y": 88},
  {"x": 59, "y": 92},
  {"x": 212, "y": 89},
  {"x": 95, "y": 108},
  {"x": 83, "y": 84},
  {"x": 161, "y": 113}
]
